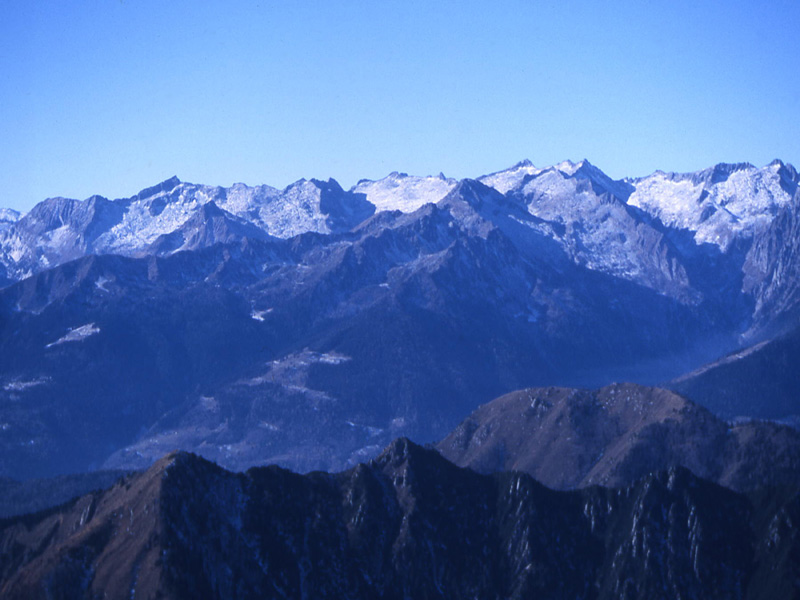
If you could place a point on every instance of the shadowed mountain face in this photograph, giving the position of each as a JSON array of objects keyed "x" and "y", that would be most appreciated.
[
  {"x": 407, "y": 524},
  {"x": 569, "y": 438},
  {"x": 310, "y": 326},
  {"x": 761, "y": 380}
]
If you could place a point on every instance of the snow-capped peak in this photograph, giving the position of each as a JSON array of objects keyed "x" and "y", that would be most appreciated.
[
  {"x": 8, "y": 215},
  {"x": 165, "y": 186},
  {"x": 718, "y": 204},
  {"x": 509, "y": 179},
  {"x": 569, "y": 168},
  {"x": 514, "y": 178}
]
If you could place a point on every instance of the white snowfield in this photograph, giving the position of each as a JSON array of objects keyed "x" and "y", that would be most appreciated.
[
  {"x": 403, "y": 192},
  {"x": 592, "y": 217},
  {"x": 140, "y": 226},
  {"x": 77, "y": 334},
  {"x": 718, "y": 212}
]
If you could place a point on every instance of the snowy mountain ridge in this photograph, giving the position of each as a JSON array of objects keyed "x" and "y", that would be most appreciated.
[
  {"x": 718, "y": 204},
  {"x": 8, "y": 215},
  {"x": 602, "y": 224}
]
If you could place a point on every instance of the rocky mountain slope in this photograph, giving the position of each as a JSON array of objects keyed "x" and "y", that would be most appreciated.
[
  {"x": 309, "y": 326},
  {"x": 407, "y": 524},
  {"x": 571, "y": 438}
]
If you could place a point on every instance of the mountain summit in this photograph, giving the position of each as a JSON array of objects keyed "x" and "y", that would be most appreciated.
[{"x": 568, "y": 438}]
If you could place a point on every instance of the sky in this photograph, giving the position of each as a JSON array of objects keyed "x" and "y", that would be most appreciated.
[{"x": 111, "y": 96}]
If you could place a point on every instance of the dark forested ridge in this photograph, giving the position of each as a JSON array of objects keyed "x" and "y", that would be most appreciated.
[{"x": 408, "y": 524}]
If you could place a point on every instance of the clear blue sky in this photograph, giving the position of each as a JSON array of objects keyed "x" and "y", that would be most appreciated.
[{"x": 111, "y": 96}]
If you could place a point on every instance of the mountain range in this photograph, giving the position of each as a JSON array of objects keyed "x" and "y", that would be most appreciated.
[
  {"x": 312, "y": 325},
  {"x": 407, "y": 524}
]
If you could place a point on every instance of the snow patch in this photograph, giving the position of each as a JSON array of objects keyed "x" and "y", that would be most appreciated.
[
  {"x": 332, "y": 358},
  {"x": 101, "y": 282},
  {"x": 405, "y": 193},
  {"x": 259, "y": 315},
  {"x": 18, "y": 385},
  {"x": 78, "y": 334},
  {"x": 292, "y": 373}
]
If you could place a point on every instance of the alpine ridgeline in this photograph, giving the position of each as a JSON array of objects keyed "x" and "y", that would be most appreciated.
[
  {"x": 408, "y": 524},
  {"x": 309, "y": 326}
]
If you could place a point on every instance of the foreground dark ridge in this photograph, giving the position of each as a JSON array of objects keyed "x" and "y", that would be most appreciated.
[
  {"x": 408, "y": 524},
  {"x": 568, "y": 438}
]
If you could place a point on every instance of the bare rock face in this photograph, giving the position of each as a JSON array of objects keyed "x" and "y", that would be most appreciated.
[
  {"x": 569, "y": 438},
  {"x": 407, "y": 524}
]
